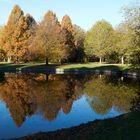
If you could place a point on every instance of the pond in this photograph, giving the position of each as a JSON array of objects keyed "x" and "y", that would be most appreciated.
[{"x": 31, "y": 103}]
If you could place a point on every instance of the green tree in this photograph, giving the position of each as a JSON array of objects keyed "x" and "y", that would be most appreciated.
[
  {"x": 132, "y": 18},
  {"x": 123, "y": 36},
  {"x": 135, "y": 59},
  {"x": 99, "y": 41}
]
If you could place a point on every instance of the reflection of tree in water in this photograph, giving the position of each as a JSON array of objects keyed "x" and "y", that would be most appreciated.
[
  {"x": 58, "y": 92},
  {"x": 26, "y": 94},
  {"x": 100, "y": 105},
  {"x": 17, "y": 93},
  {"x": 2, "y": 76},
  {"x": 103, "y": 94}
]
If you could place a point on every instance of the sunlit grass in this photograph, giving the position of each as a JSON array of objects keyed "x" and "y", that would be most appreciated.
[
  {"x": 35, "y": 65},
  {"x": 93, "y": 65}
]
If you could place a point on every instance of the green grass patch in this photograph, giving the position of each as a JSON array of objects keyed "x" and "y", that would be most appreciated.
[{"x": 96, "y": 66}]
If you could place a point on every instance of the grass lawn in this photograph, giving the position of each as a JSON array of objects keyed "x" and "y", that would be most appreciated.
[
  {"x": 34, "y": 65},
  {"x": 95, "y": 66}
]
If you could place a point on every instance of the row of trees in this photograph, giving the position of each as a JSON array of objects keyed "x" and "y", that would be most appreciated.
[
  {"x": 23, "y": 39},
  {"x": 121, "y": 44}
]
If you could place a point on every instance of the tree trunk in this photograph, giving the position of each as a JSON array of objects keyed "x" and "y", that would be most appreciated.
[
  {"x": 47, "y": 62},
  {"x": 122, "y": 59},
  {"x": 60, "y": 61},
  {"x": 9, "y": 60},
  {"x": 100, "y": 60}
]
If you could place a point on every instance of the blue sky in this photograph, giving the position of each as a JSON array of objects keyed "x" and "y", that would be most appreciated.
[{"x": 82, "y": 12}]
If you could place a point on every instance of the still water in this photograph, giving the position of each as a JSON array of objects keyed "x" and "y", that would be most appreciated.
[{"x": 30, "y": 103}]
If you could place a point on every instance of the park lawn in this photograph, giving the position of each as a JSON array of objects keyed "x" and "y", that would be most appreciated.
[
  {"x": 96, "y": 66},
  {"x": 20, "y": 65},
  {"x": 35, "y": 65}
]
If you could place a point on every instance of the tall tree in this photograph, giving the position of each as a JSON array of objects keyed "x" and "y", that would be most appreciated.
[
  {"x": 132, "y": 18},
  {"x": 123, "y": 36},
  {"x": 98, "y": 41},
  {"x": 79, "y": 37},
  {"x": 16, "y": 34},
  {"x": 68, "y": 33},
  {"x": 2, "y": 53},
  {"x": 48, "y": 41}
]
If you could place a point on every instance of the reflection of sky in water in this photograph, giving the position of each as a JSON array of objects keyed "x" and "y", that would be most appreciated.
[{"x": 81, "y": 112}]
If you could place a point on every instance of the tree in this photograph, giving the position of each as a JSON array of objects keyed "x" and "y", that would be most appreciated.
[
  {"x": 2, "y": 53},
  {"x": 135, "y": 59},
  {"x": 98, "y": 41},
  {"x": 79, "y": 37},
  {"x": 1, "y": 30},
  {"x": 30, "y": 25},
  {"x": 132, "y": 18},
  {"x": 16, "y": 34},
  {"x": 48, "y": 41},
  {"x": 68, "y": 32},
  {"x": 123, "y": 37}
]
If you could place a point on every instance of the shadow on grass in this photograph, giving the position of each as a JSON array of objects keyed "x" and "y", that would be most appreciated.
[
  {"x": 4, "y": 64},
  {"x": 100, "y": 68},
  {"x": 11, "y": 66},
  {"x": 42, "y": 66},
  {"x": 26, "y": 66},
  {"x": 52, "y": 67}
]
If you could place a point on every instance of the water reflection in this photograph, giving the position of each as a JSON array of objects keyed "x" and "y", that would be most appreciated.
[
  {"x": 25, "y": 95},
  {"x": 29, "y": 94},
  {"x": 105, "y": 91}
]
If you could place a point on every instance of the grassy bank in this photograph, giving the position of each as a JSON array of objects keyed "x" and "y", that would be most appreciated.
[
  {"x": 116, "y": 67},
  {"x": 125, "y": 127}
]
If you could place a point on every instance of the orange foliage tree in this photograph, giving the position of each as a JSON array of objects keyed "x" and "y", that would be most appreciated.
[
  {"x": 48, "y": 42},
  {"x": 16, "y": 34},
  {"x": 67, "y": 28}
]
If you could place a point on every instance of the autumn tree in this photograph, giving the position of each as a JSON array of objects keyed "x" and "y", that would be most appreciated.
[
  {"x": 1, "y": 30},
  {"x": 48, "y": 41},
  {"x": 2, "y": 53},
  {"x": 16, "y": 34},
  {"x": 68, "y": 32},
  {"x": 79, "y": 37},
  {"x": 98, "y": 41}
]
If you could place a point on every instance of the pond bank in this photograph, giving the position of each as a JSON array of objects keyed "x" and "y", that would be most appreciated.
[
  {"x": 94, "y": 68},
  {"x": 71, "y": 71},
  {"x": 120, "y": 128}
]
